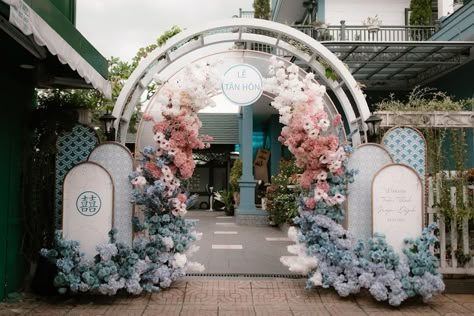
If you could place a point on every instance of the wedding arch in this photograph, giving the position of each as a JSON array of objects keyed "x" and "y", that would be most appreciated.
[{"x": 279, "y": 39}]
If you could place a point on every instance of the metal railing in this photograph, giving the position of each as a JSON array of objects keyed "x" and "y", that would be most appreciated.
[{"x": 383, "y": 33}]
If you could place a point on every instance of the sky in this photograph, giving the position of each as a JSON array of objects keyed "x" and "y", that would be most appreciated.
[{"x": 120, "y": 27}]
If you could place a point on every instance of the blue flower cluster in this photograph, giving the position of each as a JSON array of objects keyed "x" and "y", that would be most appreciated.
[
  {"x": 147, "y": 266},
  {"x": 347, "y": 266},
  {"x": 155, "y": 260}
]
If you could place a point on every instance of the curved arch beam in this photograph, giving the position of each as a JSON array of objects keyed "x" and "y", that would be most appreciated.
[{"x": 279, "y": 36}]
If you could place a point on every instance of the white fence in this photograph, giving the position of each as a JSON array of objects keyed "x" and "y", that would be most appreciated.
[{"x": 454, "y": 238}]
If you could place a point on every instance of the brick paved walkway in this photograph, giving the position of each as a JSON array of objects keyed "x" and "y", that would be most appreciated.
[{"x": 237, "y": 297}]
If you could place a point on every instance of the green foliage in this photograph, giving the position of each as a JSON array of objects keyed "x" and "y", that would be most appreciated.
[
  {"x": 420, "y": 12},
  {"x": 160, "y": 41},
  {"x": 227, "y": 198},
  {"x": 56, "y": 112},
  {"x": 282, "y": 194},
  {"x": 261, "y": 9},
  {"x": 235, "y": 174}
]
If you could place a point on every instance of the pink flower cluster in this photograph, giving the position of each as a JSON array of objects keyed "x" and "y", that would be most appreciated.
[
  {"x": 178, "y": 205},
  {"x": 183, "y": 131},
  {"x": 318, "y": 155},
  {"x": 307, "y": 135}
]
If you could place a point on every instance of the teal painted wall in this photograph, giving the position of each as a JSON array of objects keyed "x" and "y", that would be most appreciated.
[
  {"x": 16, "y": 96},
  {"x": 458, "y": 84}
]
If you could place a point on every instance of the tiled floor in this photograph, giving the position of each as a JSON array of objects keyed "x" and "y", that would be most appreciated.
[
  {"x": 237, "y": 297},
  {"x": 261, "y": 248},
  {"x": 228, "y": 248}
]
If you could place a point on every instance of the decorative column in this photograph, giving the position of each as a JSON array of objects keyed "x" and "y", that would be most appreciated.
[
  {"x": 247, "y": 181},
  {"x": 275, "y": 145},
  {"x": 445, "y": 8}
]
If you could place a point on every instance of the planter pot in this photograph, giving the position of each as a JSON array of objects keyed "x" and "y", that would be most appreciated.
[
  {"x": 321, "y": 27},
  {"x": 264, "y": 204},
  {"x": 373, "y": 28}
]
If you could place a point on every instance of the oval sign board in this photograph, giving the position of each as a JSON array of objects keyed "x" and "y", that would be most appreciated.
[
  {"x": 88, "y": 202},
  {"x": 242, "y": 84}
]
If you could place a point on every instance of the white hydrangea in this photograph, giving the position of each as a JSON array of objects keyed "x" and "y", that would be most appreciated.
[
  {"x": 168, "y": 242},
  {"x": 194, "y": 267},
  {"x": 179, "y": 260}
]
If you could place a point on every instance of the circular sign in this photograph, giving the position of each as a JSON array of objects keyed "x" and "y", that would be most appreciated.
[
  {"x": 242, "y": 84},
  {"x": 88, "y": 203}
]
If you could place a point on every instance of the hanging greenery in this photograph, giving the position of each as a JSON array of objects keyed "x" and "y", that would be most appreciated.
[{"x": 446, "y": 147}]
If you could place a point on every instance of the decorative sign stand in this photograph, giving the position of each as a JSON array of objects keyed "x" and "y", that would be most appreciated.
[
  {"x": 242, "y": 84},
  {"x": 397, "y": 204},
  {"x": 88, "y": 199},
  {"x": 368, "y": 159},
  {"x": 408, "y": 146},
  {"x": 118, "y": 161},
  {"x": 72, "y": 148}
]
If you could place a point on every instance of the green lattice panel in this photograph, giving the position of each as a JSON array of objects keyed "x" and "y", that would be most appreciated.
[
  {"x": 72, "y": 148},
  {"x": 407, "y": 145}
]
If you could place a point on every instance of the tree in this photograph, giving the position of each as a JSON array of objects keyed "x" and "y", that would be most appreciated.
[
  {"x": 420, "y": 12},
  {"x": 262, "y": 9}
]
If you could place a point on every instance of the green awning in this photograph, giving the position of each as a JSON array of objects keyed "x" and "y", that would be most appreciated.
[{"x": 48, "y": 27}]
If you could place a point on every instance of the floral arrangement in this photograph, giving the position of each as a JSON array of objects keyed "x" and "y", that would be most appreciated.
[
  {"x": 324, "y": 251},
  {"x": 160, "y": 254},
  {"x": 372, "y": 21}
]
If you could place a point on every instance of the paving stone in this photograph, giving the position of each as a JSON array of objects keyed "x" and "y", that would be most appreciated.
[
  {"x": 125, "y": 310},
  {"x": 422, "y": 310},
  {"x": 291, "y": 284},
  {"x": 295, "y": 296},
  {"x": 268, "y": 296},
  {"x": 88, "y": 311},
  {"x": 264, "y": 284},
  {"x": 446, "y": 307},
  {"x": 309, "y": 309},
  {"x": 168, "y": 310},
  {"x": 199, "y": 310},
  {"x": 49, "y": 311},
  {"x": 344, "y": 309},
  {"x": 461, "y": 298},
  {"x": 383, "y": 313},
  {"x": 469, "y": 306},
  {"x": 236, "y": 310},
  {"x": 168, "y": 296},
  {"x": 272, "y": 310},
  {"x": 197, "y": 295},
  {"x": 235, "y": 296}
]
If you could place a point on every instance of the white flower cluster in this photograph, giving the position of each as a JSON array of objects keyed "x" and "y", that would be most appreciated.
[
  {"x": 293, "y": 94},
  {"x": 190, "y": 90},
  {"x": 301, "y": 262}
]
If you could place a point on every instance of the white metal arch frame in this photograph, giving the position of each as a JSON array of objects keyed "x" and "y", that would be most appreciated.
[{"x": 281, "y": 37}]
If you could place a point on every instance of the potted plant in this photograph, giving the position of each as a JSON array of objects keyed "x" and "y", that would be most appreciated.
[
  {"x": 372, "y": 23},
  {"x": 235, "y": 175},
  {"x": 319, "y": 25},
  {"x": 226, "y": 196}
]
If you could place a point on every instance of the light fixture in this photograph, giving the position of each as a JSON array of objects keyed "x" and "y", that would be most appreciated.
[
  {"x": 373, "y": 126},
  {"x": 108, "y": 119}
]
